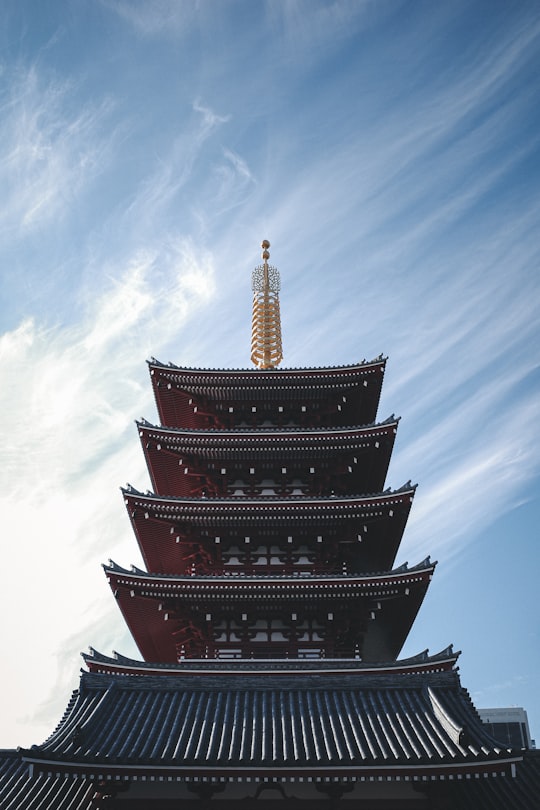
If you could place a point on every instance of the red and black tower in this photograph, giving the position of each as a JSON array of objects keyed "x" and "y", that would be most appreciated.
[{"x": 271, "y": 612}]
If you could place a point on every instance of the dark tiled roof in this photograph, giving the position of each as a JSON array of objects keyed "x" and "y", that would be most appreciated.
[
  {"x": 20, "y": 792},
  {"x": 521, "y": 793},
  {"x": 267, "y": 724}
]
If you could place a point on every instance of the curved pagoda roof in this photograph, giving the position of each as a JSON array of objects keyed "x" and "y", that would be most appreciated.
[
  {"x": 374, "y": 611},
  {"x": 372, "y": 523},
  {"x": 212, "y": 511},
  {"x": 270, "y": 378},
  {"x": 185, "y": 461},
  {"x": 178, "y": 391},
  {"x": 118, "y": 664},
  {"x": 260, "y": 441},
  {"x": 379, "y": 726}
]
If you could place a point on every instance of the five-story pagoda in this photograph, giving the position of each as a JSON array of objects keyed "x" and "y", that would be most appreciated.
[{"x": 271, "y": 613}]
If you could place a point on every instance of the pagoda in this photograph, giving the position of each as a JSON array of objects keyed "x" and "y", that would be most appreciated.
[{"x": 270, "y": 613}]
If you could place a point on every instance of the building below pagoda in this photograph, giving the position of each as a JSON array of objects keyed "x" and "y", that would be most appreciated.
[{"x": 270, "y": 615}]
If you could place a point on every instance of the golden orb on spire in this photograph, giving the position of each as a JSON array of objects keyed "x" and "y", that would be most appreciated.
[{"x": 266, "y": 349}]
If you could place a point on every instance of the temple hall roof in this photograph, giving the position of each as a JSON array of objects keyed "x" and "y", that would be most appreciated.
[
  {"x": 19, "y": 791},
  {"x": 384, "y": 725},
  {"x": 45, "y": 791}
]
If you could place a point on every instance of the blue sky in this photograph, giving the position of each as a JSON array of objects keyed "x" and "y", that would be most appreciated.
[{"x": 390, "y": 152}]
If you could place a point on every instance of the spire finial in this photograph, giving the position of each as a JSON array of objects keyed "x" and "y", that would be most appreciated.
[{"x": 266, "y": 351}]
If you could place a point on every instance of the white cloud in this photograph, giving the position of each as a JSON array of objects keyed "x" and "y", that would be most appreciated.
[
  {"x": 51, "y": 149},
  {"x": 69, "y": 402},
  {"x": 467, "y": 490}
]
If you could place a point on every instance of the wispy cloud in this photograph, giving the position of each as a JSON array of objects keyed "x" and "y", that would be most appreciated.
[
  {"x": 69, "y": 400},
  {"x": 52, "y": 149},
  {"x": 156, "y": 17}
]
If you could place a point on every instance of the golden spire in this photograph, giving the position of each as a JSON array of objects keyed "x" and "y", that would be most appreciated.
[{"x": 266, "y": 349}]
